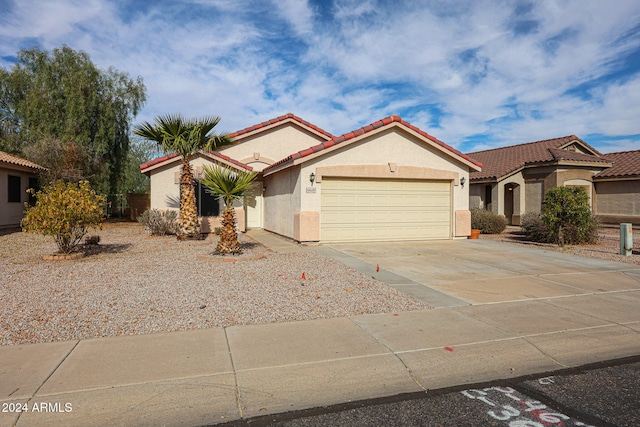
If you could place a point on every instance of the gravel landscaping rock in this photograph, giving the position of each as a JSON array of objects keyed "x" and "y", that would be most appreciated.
[{"x": 132, "y": 283}]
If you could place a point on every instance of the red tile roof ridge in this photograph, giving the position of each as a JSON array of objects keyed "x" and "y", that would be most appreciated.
[
  {"x": 567, "y": 138},
  {"x": 364, "y": 130},
  {"x": 279, "y": 119},
  {"x": 560, "y": 154},
  {"x": 622, "y": 152}
]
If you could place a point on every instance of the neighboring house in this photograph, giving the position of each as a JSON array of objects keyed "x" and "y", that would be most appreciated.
[
  {"x": 515, "y": 179},
  {"x": 16, "y": 176},
  {"x": 385, "y": 181},
  {"x": 617, "y": 189}
]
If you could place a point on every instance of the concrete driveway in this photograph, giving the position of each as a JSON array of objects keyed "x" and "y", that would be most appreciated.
[{"x": 470, "y": 272}]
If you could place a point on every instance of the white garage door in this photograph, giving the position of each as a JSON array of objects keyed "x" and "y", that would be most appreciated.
[{"x": 384, "y": 209}]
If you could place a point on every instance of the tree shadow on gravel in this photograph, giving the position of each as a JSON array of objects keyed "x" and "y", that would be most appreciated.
[
  {"x": 248, "y": 250},
  {"x": 90, "y": 250}
]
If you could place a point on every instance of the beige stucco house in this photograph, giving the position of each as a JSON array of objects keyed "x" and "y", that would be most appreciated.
[
  {"x": 16, "y": 176},
  {"x": 385, "y": 181},
  {"x": 515, "y": 179}
]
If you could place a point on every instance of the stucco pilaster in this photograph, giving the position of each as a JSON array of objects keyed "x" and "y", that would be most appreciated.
[{"x": 306, "y": 226}]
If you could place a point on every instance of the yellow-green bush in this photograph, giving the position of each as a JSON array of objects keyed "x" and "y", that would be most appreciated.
[{"x": 66, "y": 211}]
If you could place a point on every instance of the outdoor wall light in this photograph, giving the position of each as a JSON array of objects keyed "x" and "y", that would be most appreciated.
[
  {"x": 462, "y": 181},
  {"x": 312, "y": 177}
]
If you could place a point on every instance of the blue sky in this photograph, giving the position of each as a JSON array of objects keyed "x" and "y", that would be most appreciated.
[{"x": 476, "y": 74}]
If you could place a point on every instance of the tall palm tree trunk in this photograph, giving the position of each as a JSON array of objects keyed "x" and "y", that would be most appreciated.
[
  {"x": 228, "y": 243},
  {"x": 189, "y": 224}
]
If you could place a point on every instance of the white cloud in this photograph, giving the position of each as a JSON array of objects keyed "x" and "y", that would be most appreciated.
[
  {"x": 298, "y": 13},
  {"x": 366, "y": 61}
]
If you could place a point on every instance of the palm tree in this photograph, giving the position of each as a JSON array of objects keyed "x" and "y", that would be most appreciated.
[
  {"x": 230, "y": 186},
  {"x": 186, "y": 137}
]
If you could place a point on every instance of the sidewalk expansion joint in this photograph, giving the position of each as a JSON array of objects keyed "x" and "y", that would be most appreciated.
[
  {"x": 235, "y": 375},
  {"x": 314, "y": 362},
  {"x": 544, "y": 353},
  {"x": 413, "y": 377},
  {"x": 49, "y": 376},
  {"x": 107, "y": 387}
]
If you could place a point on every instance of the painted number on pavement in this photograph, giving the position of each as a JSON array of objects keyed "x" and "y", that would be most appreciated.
[{"x": 517, "y": 410}]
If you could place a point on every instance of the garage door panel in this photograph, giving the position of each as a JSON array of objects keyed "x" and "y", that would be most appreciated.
[{"x": 370, "y": 209}]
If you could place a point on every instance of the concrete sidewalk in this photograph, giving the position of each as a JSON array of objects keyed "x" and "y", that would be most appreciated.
[{"x": 218, "y": 375}]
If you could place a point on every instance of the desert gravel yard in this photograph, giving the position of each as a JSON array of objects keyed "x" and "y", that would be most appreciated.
[{"x": 138, "y": 284}]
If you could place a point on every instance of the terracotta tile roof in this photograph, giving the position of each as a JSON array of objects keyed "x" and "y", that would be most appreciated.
[
  {"x": 278, "y": 120},
  {"x": 499, "y": 162},
  {"x": 626, "y": 164},
  {"x": 163, "y": 159},
  {"x": 363, "y": 130},
  {"x": 157, "y": 160},
  {"x": 19, "y": 161}
]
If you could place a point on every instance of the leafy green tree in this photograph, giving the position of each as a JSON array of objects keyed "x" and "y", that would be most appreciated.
[
  {"x": 64, "y": 210},
  {"x": 186, "y": 137},
  {"x": 567, "y": 214},
  {"x": 141, "y": 151},
  {"x": 230, "y": 186},
  {"x": 62, "y": 95}
]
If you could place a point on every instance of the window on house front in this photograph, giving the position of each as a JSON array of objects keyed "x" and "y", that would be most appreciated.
[
  {"x": 207, "y": 204},
  {"x": 14, "y": 189}
]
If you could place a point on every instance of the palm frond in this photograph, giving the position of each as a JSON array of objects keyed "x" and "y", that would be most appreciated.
[
  {"x": 185, "y": 136},
  {"x": 229, "y": 184}
]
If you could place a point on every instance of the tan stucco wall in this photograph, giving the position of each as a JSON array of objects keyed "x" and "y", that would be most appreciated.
[
  {"x": 165, "y": 193},
  {"x": 393, "y": 154},
  {"x": 271, "y": 145},
  {"x": 534, "y": 195},
  {"x": 476, "y": 196},
  {"x": 12, "y": 213},
  {"x": 618, "y": 201},
  {"x": 462, "y": 223},
  {"x": 563, "y": 175}
]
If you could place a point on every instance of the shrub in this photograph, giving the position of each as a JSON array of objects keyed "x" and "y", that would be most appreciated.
[
  {"x": 487, "y": 222},
  {"x": 65, "y": 210},
  {"x": 159, "y": 223},
  {"x": 533, "y": 227},
  {"x": 567, "y": 214}
]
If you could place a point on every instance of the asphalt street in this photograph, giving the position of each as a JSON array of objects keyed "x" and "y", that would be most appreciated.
[{"x": 603, "y": 394}]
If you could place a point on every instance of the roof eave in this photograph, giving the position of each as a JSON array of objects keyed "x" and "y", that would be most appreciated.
[
  {"x": 599, "y": 165},
  {"x": 211, "y": 156},
  {"x": 616, "y": 178},
  {"x": 21, "y": 168}
]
